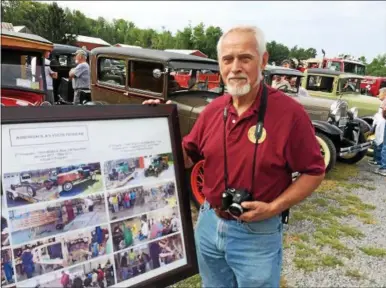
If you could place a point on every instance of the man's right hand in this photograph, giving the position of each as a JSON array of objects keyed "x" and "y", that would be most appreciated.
[{"x": 155, "y": 102}]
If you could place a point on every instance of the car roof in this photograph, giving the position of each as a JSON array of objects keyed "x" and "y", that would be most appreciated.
[
  {"x": 283, "y": 70},
  {"x": 324, "y": 71},
  {"x": 26, "y": 36},
  {"x": 152, "y": 54},
  {"x": 67, "y": 49},
  {"x": 24, "y": 41}
]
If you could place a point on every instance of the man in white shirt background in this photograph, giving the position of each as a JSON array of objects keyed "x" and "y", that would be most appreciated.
[
  {"x": 49, "y": 76},
  {"x": 379, "y": 141}
]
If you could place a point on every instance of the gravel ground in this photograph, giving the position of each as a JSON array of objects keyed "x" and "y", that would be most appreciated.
[
  {"x": 372, "y": 269},
  {"x": 364, "y": 270}
]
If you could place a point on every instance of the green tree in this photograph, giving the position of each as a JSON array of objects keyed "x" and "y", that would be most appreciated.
[
  {"x": 377, "y": 67},
  {"x": 301, "y": 53},
  {"x": 184, "y": 38},
  {"x": 213, "y": 34},
  {"x": 277, "y": 52}
]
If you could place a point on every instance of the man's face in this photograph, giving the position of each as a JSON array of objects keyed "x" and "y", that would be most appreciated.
[
  {"x": 77, "y": 58},
  {"x": 382, "y": 96},
  {"x": 286, "y": 65},
  {"x": 239, "y": 62}
]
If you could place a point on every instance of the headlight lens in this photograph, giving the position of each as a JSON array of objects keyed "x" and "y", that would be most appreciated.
[
  {"x": 338, "y": 110},
  {"x": 354, "y": 111}
]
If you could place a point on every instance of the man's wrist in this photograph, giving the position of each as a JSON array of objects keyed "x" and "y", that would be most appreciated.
[{"x": 275, "y": 208}]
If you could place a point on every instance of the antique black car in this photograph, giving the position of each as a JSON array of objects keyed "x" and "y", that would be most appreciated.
[
  {"x": 62, "y": 61},
  {"x": 339, "y": 131}
]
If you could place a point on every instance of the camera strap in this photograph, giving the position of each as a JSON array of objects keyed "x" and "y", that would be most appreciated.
[
  {"x": 258, "y": 133},
  {"x": 259, "y": 129}
]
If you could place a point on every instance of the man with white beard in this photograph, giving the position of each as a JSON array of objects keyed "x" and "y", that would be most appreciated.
[{"x": 240, "y": 245}]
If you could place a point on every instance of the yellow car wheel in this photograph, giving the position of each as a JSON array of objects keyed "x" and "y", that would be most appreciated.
[{"x": 328, "y": 150}]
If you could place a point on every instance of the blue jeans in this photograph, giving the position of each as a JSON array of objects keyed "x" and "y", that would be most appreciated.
[
  {"x": 383, "y": 151},
  {"x": 237, "y": 254},
  {"x": 377, "y": 153}
]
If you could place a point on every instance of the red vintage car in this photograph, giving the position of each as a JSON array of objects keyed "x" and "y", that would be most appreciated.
[
  {"x": 371, "y": 85},
  {"x": 23, "y": 80},
  {"x": 68, "y": 179}
]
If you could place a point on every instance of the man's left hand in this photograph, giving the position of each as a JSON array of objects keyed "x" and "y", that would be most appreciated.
[{"x": 257, "y": 211}]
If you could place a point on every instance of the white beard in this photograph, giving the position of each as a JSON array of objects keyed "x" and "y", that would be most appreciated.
[{"x": 240, "y": 91}]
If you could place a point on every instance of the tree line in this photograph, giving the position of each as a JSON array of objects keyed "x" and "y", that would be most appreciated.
[{"x": 61, "y": 25}]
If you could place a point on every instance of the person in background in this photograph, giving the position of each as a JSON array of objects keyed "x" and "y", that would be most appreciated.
[
  {"x": 380, "y": 136},
  {"x": 65, "y": 280},
  {"x": 49, "y": 76},
  {"x": 80, "y": 75}
]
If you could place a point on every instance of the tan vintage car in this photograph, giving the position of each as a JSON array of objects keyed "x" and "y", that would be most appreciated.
[{"x": 130, "y": 76}]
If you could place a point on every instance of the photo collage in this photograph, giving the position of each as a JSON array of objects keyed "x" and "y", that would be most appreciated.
[{"x": 90, "y": 224}]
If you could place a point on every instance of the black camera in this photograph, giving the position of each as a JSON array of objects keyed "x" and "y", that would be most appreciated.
[{"x": 232, "y": 199}]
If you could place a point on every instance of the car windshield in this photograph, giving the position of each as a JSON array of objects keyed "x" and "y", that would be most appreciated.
[
  {"x": 25, "y": 176},
  {"x": 320, "y": 83},
  {"x": 350, "y": 85},
  {"x": 286, "y": 83},
  {"x": 194, "y": 80},
  {"x": 21, "y": 69},
  {"x": 335, "y": 65},
  {"x": 354, "y": 68}
]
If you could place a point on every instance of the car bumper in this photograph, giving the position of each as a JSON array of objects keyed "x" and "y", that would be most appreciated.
[{"x": 356, "y": 148}]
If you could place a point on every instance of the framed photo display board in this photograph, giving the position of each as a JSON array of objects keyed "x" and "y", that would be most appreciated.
[{"x": 94, "y": 194}]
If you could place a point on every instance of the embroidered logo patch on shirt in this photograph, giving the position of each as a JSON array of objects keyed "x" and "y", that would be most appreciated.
[{"x": 251, "y": 135}]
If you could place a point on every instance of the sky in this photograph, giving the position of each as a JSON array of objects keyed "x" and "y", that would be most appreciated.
[{"x": 353, "y": 27}]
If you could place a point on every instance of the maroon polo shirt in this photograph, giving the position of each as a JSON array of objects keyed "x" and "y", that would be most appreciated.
[{"x": 290, "y": 146}]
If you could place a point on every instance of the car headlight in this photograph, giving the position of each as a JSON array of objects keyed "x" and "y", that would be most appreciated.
[
  {"x": 338, "y": 110},
  {"x": 354, "y": 112}
]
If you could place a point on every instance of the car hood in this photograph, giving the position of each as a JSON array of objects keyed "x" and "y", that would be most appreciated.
[
  {"x": 365, "y": 104},
  {"x": 317, "y": 108}
]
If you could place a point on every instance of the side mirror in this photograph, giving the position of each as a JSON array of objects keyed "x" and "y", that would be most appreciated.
[{"x": 157, "y": 73}]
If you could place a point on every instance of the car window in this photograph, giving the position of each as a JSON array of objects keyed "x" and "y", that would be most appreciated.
[
  {"x": 286, "y": 83},
  {"x": 21, "y": 70},
  {"x": 320, "y": 83},
  {"x": 141, "y": 76},
  {"x": 112, "y": 71},
  {"x": 63, "y": 59},
  {"x": 194, "y": 80},
  {"x": 383, "y": 84},
  {"x": 349, "y": 85}
]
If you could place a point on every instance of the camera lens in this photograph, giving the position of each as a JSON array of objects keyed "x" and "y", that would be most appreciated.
[{"x": 235, "y": 210}]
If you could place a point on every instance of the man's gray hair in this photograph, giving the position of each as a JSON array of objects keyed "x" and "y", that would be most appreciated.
[
  {"x": 382, "y": 90},
  {"x": 81, "y": 52},
  {"x": 257, "y": 32}
]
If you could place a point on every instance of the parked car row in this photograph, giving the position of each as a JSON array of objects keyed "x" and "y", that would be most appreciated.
[{"x": 342, "y": 117}]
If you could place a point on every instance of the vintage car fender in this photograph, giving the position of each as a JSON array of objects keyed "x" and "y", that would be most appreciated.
[
  {"x": 327, "y": 128},
  {"x": 5, "y": 101},
  {"x": 368, "y": 119},
  {"x": 365, "y": 126}
]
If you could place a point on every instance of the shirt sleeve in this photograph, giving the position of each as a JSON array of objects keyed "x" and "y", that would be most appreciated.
[
  {"x": 302, "y": 150},
  {"x": 79, "y": 70},
  {"x": 192, "y": 142}
]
